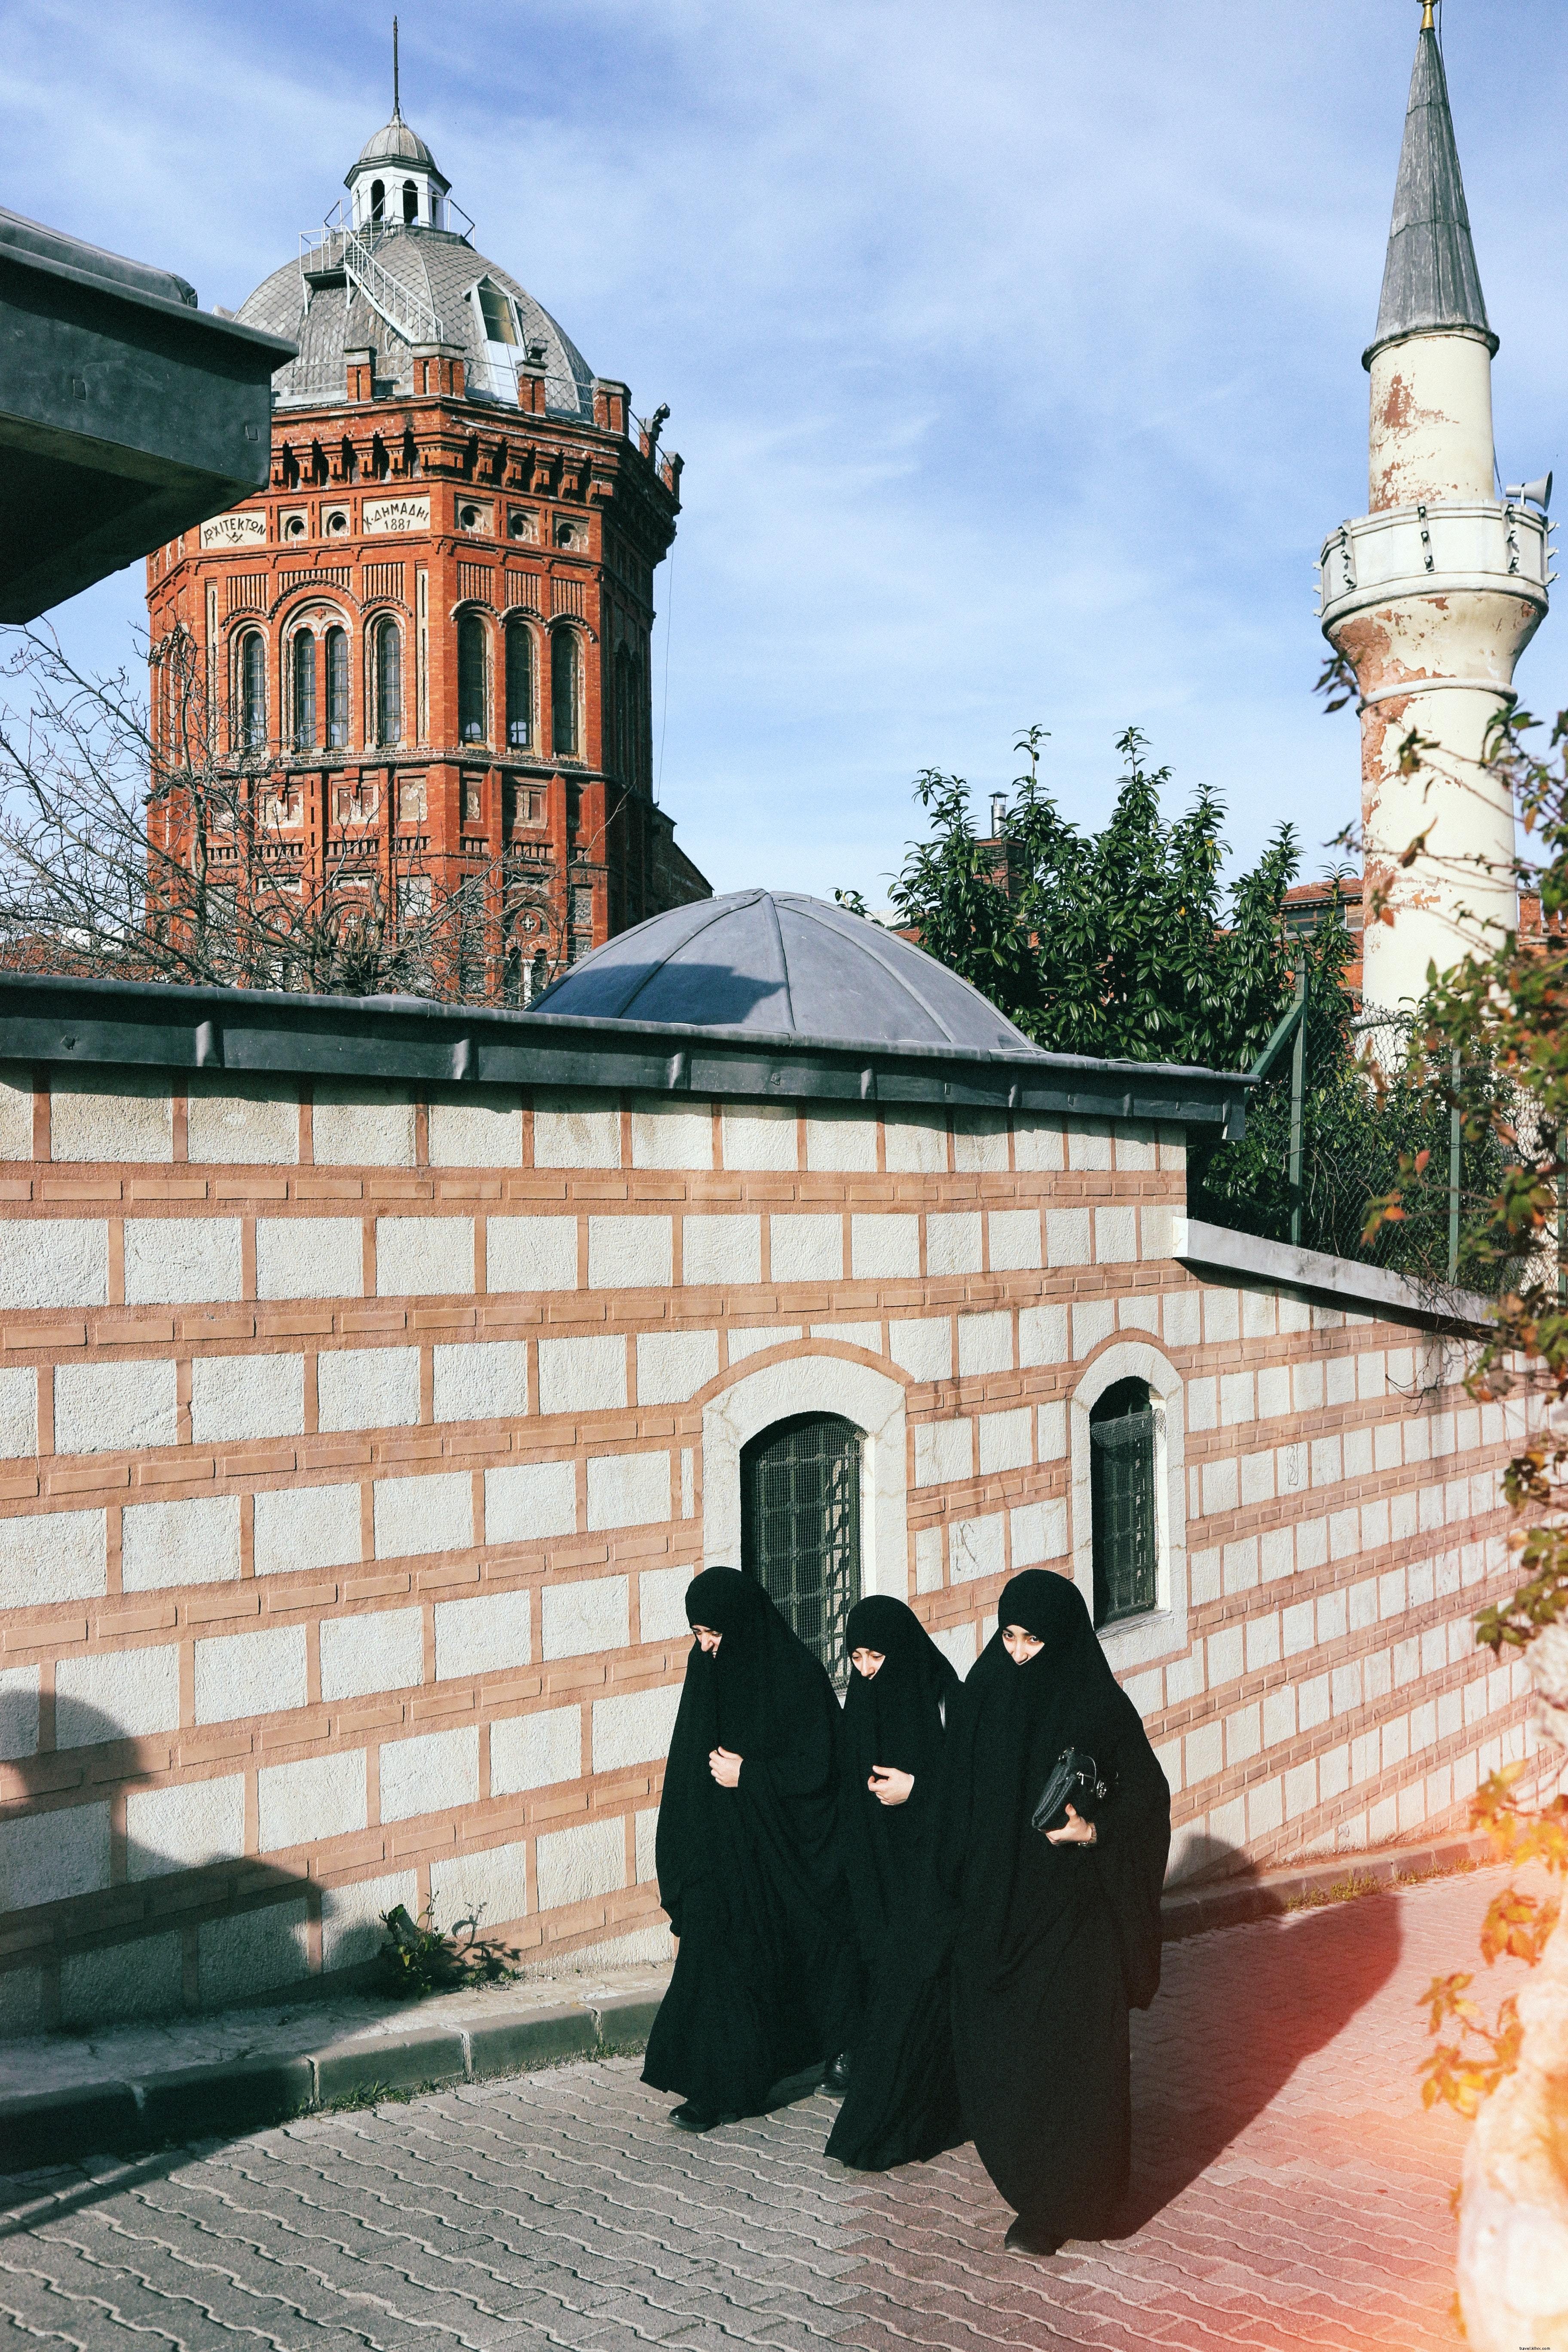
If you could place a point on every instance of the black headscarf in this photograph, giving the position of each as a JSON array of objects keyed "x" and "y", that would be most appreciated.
[{"x": 894, "y": 1717}]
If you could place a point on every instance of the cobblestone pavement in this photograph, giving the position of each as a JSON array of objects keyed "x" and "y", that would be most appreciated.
[{"x": 1288, "y": 2192}]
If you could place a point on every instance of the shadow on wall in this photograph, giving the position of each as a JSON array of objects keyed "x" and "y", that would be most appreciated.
[
  {"x": 1236, "y": 2014},
  {"x": 188, "y": 1922}
]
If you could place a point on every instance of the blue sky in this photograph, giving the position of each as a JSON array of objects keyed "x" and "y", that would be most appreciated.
[{"x": 1014, "y": 349}]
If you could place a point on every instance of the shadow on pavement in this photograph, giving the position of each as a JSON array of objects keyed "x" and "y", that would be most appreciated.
[{"x": 1227, "y": 2032}]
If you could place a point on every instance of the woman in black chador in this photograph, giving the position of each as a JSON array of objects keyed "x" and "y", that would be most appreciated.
[
  {"x": 1057, "y": 1934},
  {"x": 901, "y": 2101},
  {"x": 766, "y": 1973}
]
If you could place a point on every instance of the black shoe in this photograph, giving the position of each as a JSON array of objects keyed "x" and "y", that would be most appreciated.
[
  {"x": 690, "y": 2118},
  {"x": 1021, "y": 2240},
  {"x": 835, "y": 2076}
]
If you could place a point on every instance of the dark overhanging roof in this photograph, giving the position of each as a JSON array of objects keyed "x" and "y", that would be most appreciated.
[
  {"x": 1430, "y": 280},
  {"x": 127, "y": 415},
  {"x": 154, "y": 1025}
]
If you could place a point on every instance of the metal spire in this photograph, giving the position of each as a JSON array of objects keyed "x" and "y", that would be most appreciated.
[
  {"x": 396, "y": 105},
  {"x": 1430, "y": 279}
]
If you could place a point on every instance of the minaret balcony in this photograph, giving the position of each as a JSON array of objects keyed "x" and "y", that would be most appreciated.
[{"x": 1442, "y": 550}]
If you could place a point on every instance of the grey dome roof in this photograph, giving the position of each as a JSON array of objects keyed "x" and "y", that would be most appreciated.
[
  {"x": 395, "y": 142},
  {"x": 781, "y": 964}
]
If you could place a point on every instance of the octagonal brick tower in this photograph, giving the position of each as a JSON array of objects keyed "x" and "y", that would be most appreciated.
[{"x": 1432, "y": 595}]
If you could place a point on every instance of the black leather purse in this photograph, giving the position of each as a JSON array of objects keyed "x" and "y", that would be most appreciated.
[{"x": 1074, "y": 1778}]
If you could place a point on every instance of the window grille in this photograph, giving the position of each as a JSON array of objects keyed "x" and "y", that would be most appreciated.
[
  {"x": 304, "y": 690},
  {"x": 471, "y": 678},
  {"x": 337, "y": 688},
  {"x": 519, "y": 687},
  {"x": 800, "y": 1527},
  {"x": 388, "y": 683},
  {"x": 1122, "y": 1479},
  {"x": 563, "y": 692},
  {"x": 253, "y": 692}
]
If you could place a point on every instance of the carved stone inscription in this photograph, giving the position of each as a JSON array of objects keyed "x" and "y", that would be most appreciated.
[
  {"x": 397, "y": 514},
  {"x": 234, "y": 530}
]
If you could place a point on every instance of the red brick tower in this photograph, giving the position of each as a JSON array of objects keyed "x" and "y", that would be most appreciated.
[{"x": 436, "y": 622}]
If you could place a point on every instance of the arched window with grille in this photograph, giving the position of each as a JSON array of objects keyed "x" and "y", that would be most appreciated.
[
  {"x": 337, "y": 650},
  {"x": 800, "y": 1527},
  {"x": 564, "y": 675},
  {"x": 1122, "y": 1447},
  {"x": 518, "y": 686},
  {"x": 253, "y": 691},
  {"x": 388, "y": 682},
  {"x": 471, "y": 679},
  {"x": 304, "y": 658}
]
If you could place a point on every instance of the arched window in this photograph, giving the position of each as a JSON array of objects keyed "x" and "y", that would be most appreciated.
[
  {"x": 304, "y": 690},
  {"x": 253, "y": 691},
  {"x": 471, "y": 681},
  {"x": 377, "y": 199},
  {"x": 519, "y": 687},
  {"x": 410, "y": 201},
  {"x": 564, "y": 671},
  {"x": 388, "y": 682},
  {"x": 800, "y": 1527},
  {"x": 337, "y": 688},
  {"x": 1121, "y": 1490},
  {"x": 626, "y": 717}
]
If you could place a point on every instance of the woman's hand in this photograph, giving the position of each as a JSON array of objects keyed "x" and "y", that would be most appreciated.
[
  {"x": 725, "y": 1768},
  {"x": 889, "y": 1785},
  {"x": 1073, "y": 1831}
]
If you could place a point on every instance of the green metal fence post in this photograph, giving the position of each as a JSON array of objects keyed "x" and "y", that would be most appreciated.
[
  {"x": 1298, "y": 1089},
  {"x": 1455, "y": 1147}
]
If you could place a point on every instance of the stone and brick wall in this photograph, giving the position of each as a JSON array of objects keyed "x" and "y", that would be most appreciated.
[{"x": 357, "y": 1441}]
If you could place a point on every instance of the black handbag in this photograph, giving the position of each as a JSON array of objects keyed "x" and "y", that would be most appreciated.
[{"x": 1074, "y": 1778}]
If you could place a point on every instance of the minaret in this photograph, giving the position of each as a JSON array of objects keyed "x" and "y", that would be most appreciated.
[{"x": 1433, "y": 596}]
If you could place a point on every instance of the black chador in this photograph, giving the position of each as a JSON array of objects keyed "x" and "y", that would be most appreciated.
[
  {"x": 1054, "y": 1943},
  {"x": 901, "y": 2101},
  {"x": 765, "y": 1971}
]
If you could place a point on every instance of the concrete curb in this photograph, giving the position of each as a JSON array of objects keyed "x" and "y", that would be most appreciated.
[{"x": 187, "y": 2103}]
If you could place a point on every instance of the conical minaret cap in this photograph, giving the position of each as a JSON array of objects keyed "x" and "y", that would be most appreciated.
[{"x": 1430, "y": 280}]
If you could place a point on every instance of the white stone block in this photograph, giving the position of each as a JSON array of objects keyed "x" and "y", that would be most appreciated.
[
  {"x": 984, "y": 1344},
  {"x": 481, "y": 1379},
  {"x": 53, "y": 1556},
  {"x": 253, "y": 1952},
  {"x": 486, "y": 1634},
  {"x": 628, "y": 1490},
  {"x": 958, "y": 1644},
  {"x": 673, "y": 1365},
  {"x": 423, "y": 1257},
  {"x": 954, "y": 1242},
  {"x": 351, "y": 1929},
  {"x": 661, "y": 1604},
  {"x": 975, "y": 1549},
  {"x": 980, "y": 1142},
  {"x": 1037, "y": 1146},
  {"x": 484, "y": 1133},
  {"x": 806, "y": 1248},
  {"x": 1014, "y": 1241},
  {"x": 360, "y": 1123},
  {"x": 1157, "y": 1231},
  {"x": 1067, "y": 1237},
  {"x": 1088, "y": 1147},
  {"x": 1006, "y": 1439},
  {"x": 921, "y": 1345},
  {"x": 531, "y": 1254},
  {"x": 851, "y": 1334},
  {"x": 19, "y": 1713},
  {"x": 1042, "y": 1335},
  {"x": 424, "y": 1515},
  {"x": 1039, "y": 1532},
  {"x": 671, "y": 1135},
  {"x": 179, "y": 1543},
  {"x": 307, "y": 1803},
  {"x": 250, "y": 1674},
  {"x": 237, "y": 1397},
  {"x": 1092, "y": 1324},
  {"x": 630, "y": 1252},
  {"x": 759, "y": 1136},
  {"x": 635, "y": 1730},
  {"x": 721, "y": 1249},
  {"x": 47, "y": 1857},
  {"x": 54, "y": 1262},
  {"x": 576, "y": 1864},
  {"x": 1222, "y": 1315},
  {"x": 593, "y": 1614},
  {"x": 575, "y": 1131},
  {"x": 582, "y": 1375},
  {"x": 928, "y": 1575},
  {"x": 916, "y": 1142},
  {"x": 114, "y": 1408},
  {"x": 139, "y": 1978},
  {"x": 526, "y": 1501},
  {"x": 1051, "y": 1438},
  {"x": 310, "y": 1257},
  {"x": 943, "y": 1451},
  {"x": 234, "y": 1122},
  {"x": 842, "y": 1141},
  {"x": 755, "y": 1337},
  {"x": 490, "y": 1886},
  {"x": 111, "y": 1113},
  {"x": 367, "y": 1387},
  {"x": 306, "y": 1527},
  {"x": 535, "y": 1752},
  {"x": 125, "y": 1694},
  {"x": 646, "y": 1835},
  {"x": 884, "y": 1248},
  {"x": 15, "y": 1111},
  {"x": 1115, "y": 1236},
  {"x": 1183, "y": 1319},
  {"x": 183, "y": 1827},
  {"x": 180, "y": 1261},
  {"x": 429, "y": 1774},
  {"x": 374, "y": 1650}
]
